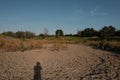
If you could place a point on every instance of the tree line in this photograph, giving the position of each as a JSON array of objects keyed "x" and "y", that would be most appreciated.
[
  {"x": 19, "y": 34},
  {"x": 106, "y": 31}
]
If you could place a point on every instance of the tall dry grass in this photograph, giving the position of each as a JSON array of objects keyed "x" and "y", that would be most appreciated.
[
  {"x": 9, "y": 44},
  {"x": 13, "y": 44},
  {"x": 59, "y": 46},
  {"x": 106, "y": 45}
]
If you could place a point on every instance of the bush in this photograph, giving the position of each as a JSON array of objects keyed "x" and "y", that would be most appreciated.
[
  {"x": 107, "y": 31},
  {"x": 106, "y": 45}
]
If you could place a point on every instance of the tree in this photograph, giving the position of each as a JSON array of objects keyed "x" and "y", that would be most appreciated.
[
  {"x": 107, "y": 31},
  {"x": 68, "y": 35},
  {"x": 20, "y": 34},
  {"x": 88, "y": 32},
  {"x": 117, "y": 33},
  {"x": 79, "y": 33},
  {"x": 41, "y": 35},
  {"x": 45, "y": 32},
  {"x": 59, "y": 33},
  {"x": 27, "y": 34},
  {"x": 9, "y": 33}
]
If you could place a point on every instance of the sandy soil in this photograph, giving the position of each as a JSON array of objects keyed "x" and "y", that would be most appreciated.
[{"x": 77, "y": 62}]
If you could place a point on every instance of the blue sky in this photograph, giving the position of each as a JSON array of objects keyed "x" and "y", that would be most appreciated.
[{"x": 68, "y": 15}]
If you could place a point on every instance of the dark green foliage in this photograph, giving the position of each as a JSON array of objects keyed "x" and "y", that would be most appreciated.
[
  {"x": 27, "y": 34},
  {"x": 59, "y": 33},
  {"x": 88, "y": 32},
  {"x": 19, "y": 34},
  {"x": 107, "y": 31},
  {"x": 9, "y": 33},
  {"x": 117, "y": 33},
  {"x": 79, "y": 33},
  {"x": 41, "y": 35},
  {"x": 68, "y": 35}
]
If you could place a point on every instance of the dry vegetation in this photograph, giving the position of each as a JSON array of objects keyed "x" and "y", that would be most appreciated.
[
  {"x": 60, "y": 58},
  {"x": 78, "y": 62},
  {"x": 15, "y": 44},
  {"x": 9, "y": 44},
  {"x": 106, "y": 45},
  {"x": 109, "y": 45}
]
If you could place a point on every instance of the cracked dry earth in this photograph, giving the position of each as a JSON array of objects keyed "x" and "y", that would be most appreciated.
[{"x": 77, "y": 62}]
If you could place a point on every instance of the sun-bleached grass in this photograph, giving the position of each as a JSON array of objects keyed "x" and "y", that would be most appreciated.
[
  {"x": 106, "y": 45},
  {"x": 59, "y": 46},
  {"x": 13, "y": 44},
  {"x": 9, "y": 44}
]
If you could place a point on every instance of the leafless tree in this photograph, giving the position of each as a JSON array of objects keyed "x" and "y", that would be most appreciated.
[{"x": 45, "y": 32}]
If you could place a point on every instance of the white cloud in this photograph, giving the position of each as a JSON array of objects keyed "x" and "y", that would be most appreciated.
[
  {"x": 97, "y": 12},
  {"x": 93, "y": 12}
]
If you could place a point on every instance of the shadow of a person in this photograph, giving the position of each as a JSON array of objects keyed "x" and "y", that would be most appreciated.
[{"x": 37, "y": 71}]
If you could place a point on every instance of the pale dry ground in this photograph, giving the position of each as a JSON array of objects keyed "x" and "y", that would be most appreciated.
[{"x": 76, "y": 62}]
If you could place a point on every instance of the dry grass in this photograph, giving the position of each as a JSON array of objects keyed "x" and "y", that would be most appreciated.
[
  {"x": 58, "y": 46},
  {"x": 9, "y": 44},
  {"x": 106, "y": 45},
  {"x": 13, "y": 44}
]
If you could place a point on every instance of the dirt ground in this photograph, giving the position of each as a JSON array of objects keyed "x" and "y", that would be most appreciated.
[{"x": 76, "y": 62}]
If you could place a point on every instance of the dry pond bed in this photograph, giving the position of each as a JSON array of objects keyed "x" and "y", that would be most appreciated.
[{"x": 77, "y": 62}]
